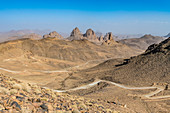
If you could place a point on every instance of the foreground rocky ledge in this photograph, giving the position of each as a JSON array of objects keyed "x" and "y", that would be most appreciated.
[{"x": 17, "y": 96}]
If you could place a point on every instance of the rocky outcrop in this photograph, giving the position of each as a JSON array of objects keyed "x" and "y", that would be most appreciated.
[
  {"x": 109, "y": 39},
  {"x": 100, "y": 38},
  {"x": 53, "y": 34},
  {"x": 76, "y": 35},
  {"x": 76, "y": 32},
  {"x": 91, "y": 36},
  {"x": 108, "y": 36}
]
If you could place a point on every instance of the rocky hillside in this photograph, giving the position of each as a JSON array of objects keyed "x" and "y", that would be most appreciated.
[
  {"x": 168, "y": 35},
  {"x": 146, "y": 69},
  {"x": 22, "y": 97},
  {"x": 54, "y": 52},
  {"x": 18, "y": 34},
  {"x": 143, "y": 42}
]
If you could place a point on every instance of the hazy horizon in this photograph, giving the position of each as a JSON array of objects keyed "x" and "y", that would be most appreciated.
[{"x": 119, "y": 17}]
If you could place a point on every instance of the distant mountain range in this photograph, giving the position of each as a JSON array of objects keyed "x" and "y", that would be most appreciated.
[
  {"x": 142, "y": 42},
  {"x": 137, "y": 41},
  {"x": 127, "y": 36},
  {"x": 17, "y": 34}
]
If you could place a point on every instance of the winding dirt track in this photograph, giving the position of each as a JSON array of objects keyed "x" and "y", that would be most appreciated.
[
  {"x": 149, "y": 96},
  {"x": 55, "y": 71},
  {"x": 9, "y": 70}
]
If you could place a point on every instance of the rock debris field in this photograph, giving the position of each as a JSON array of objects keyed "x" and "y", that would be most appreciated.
[{"x": 21, "y": 97}]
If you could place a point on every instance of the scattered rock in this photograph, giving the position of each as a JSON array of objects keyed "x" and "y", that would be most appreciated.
[
  {"x": 13, "y": 91},
  {"x": 4, "y": 90},
  {"x": 76, "y": 111},
  {"x": 44, "y": 100},
  {"x": 16, "y": 105},
  {"x": 44, "y": 107},
  {"x": 17, "y": 86}
]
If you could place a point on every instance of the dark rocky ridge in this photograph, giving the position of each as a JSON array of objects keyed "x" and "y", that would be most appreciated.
[{"x": 168, "y": 35}]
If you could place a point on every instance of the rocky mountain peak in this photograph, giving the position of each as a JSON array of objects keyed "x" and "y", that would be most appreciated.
[
  {"x": 75, "y": 32},
  {"x": 109, "y": 39},
  {"x": 108, "y": 36},
  {"x": 90, "y": 34}
]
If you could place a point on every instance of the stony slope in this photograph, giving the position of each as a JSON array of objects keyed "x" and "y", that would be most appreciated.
[
  {"x": 153, "y": 66},
  {"x": 150, "y": 68},
  {"x": 143, "y": 42},
  {"x": 21, "y": 97}
]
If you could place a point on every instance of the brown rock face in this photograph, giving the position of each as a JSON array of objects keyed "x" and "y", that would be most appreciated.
[
  {"x": 108, "y": 36},
  {"x": 109, "y": 39},
  {"x": 53, "y": 34},
  {"x": 75, "y": 32},
  {"x": 91, "y": 36},
  {"x": 76, "y": 35},
  {"x": 100, "y": 38}
]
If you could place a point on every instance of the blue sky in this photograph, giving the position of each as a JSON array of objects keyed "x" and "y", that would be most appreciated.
[{"x": 117, "y": 16}]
